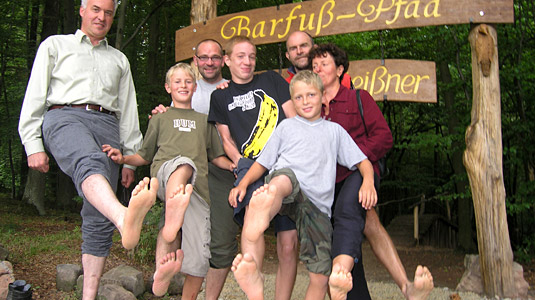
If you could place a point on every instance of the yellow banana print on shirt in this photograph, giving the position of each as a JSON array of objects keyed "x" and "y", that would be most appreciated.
[{"x": 265, "y": 125}]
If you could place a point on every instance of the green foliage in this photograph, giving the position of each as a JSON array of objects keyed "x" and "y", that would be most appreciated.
[
  {"x": 428, "y": 138},
  {"x": 144, "y": 251}
]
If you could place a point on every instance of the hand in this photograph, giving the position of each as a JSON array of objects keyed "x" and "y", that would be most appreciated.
[
  {"x": 232, "y": 166},
  {"x": 223, "y": 85},
  {"x": 237, "y": 192},
  {"x": 367, "y": 195},
  {"x": 39, "y": 162},
  {"x": 113, "y": 153},
  {"x": 160, "y": 109},
  {"x": 127, "y": 177}
]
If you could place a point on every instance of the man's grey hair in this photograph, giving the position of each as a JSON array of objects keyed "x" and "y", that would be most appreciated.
[{"x": 115, "y": 2}]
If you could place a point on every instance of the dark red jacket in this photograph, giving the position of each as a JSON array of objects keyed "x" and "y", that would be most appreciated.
[{"x": 343, "y": 109}]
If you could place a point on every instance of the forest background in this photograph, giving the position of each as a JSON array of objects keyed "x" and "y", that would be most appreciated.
[{"x": 425, "y": 166}]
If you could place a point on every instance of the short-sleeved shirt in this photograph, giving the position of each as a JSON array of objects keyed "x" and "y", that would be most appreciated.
[
  {"x": 311, "y": 150},
  {"x": 200, "y": 102},
  {"x": 251, "y": 110},
  {"x": 182, "y": 132}
]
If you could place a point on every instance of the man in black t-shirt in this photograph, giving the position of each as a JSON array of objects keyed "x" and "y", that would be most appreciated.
[{"x": 246, "y": 114}]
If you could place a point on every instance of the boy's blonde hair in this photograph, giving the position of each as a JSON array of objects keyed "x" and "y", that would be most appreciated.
[
  {"x": 184, "y": 67},
  {"x": 236, "y": 40},
  {"x": 308, "y": 77}
]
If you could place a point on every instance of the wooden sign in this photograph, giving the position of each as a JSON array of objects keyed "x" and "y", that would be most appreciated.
[
  {"x": 328, "y": 17},
  {"x": 396, "y": 79}
]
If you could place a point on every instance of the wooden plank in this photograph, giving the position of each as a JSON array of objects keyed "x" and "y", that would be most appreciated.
[
  {"x": 398, "y": 79},
  {"x": 328, "y": 17}
]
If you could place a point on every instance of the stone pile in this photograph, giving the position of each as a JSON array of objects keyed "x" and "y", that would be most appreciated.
[
  {"x": 6, "y": 273},
  {"x": 120, "y": 283}
]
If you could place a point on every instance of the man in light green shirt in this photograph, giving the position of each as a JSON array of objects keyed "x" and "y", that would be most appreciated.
[{"x": 80, "y": 96}]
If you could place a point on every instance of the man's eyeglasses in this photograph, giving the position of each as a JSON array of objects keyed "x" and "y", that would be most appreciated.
[{"x": 204, "y": 59}]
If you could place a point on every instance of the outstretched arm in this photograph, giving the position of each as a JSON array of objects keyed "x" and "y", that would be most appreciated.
[
  {"x": 367, "y": 192},
  {"x": 254, "y": 173},
  {"x": 224, "y": 163},
  {"x": 118, "y": 158}
]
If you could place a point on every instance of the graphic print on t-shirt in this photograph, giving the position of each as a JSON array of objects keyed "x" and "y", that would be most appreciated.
[
  {"x": 184, "y": 125},
  {"x": 265, "y": 125}
]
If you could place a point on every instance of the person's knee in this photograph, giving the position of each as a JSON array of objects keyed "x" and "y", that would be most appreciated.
[
  {"x": 318, "y": 280},
  {"x": 373, "y": 225},
  {"x": 287, "y": 245},
  {"x": 283, "y": 184}
]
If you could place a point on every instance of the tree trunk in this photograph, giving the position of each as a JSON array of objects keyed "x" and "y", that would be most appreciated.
[
  {"x": 50, "y": 19},
  {"x": 464, "y": 205},
  {"x": 154, "y": 46},
  {"x": 69, "y": 17},
  {"x": 65, "y": 191},
  {"x": 202, "y": 10},
  {"x": 34, "y": 192},
  {"x": 483, "y": 162},
  {"x": 120, "y": 24}
]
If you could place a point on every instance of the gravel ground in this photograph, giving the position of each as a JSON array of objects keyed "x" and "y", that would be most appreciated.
[{"x": 378, "y": 290}]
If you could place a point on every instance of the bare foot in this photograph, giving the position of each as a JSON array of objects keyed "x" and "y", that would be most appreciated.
[
  {"x": 422, "y": 285},
  {"x": 175, "y": 208},
  {"x": 142, "y": 200},
  {"x": 257, "y": 215},
  {"x": 340, "y": 282},
  {"x": 249, "y": 278},
  {"x": 167, "y": 267}
]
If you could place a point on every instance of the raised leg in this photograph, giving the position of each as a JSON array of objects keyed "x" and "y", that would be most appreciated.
[
  {"x": 166, "y": 268},
  {"x": 142, "y": 200},
  {"x": 176, "y": 204},
  {"x": 248, "y": 276}
]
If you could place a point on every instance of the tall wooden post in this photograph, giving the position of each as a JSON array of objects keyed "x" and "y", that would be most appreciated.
[
  {"x": 483, "y": 162},
  {"x": 203, "y": 10}
]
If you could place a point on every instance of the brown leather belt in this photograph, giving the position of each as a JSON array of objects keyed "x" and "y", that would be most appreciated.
[{"x": 93, "y": 107}]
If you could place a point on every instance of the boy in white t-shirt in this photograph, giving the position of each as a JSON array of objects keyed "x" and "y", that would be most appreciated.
[{"x": 301, "y": 156}]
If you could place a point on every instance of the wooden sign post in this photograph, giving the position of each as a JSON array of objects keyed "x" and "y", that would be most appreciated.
[
  {"x": 483, "y": 156},
  {"x": 394, "y": 79},
  {"x": 483, "y": 163},
  {"x": 328, "y": 17}
]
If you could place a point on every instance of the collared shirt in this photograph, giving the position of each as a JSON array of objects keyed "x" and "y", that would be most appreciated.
[
  {"x": 343, "y": 109},
  {"x": 69, "y": 70}
]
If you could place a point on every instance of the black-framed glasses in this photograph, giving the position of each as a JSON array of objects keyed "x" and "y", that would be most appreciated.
[{"x": 215, "y": 59}]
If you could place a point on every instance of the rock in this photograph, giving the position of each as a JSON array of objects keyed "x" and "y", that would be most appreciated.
[
  {"x": 3, "y": 253},
  {"x": 79, "y": 286},
  {"x": 66, "y": 276},
  {"x": 114, "y": 292},
  {"x": 129, "y": 278},
  {"x": 6, "y": 277},
  {"x": 472, "y": 282}
]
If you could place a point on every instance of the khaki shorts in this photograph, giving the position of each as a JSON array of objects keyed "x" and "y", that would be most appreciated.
[
  {"x": 168, "y": 168},
  {"x": 313, "y": 226},
  {"x": 196, "y": 227}
]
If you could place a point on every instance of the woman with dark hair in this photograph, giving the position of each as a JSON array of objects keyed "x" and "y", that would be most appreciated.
[{"x": 350, "y": 220}]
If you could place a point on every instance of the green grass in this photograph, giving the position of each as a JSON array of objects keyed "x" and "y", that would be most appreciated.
[{"x": 25, "y": 234}]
